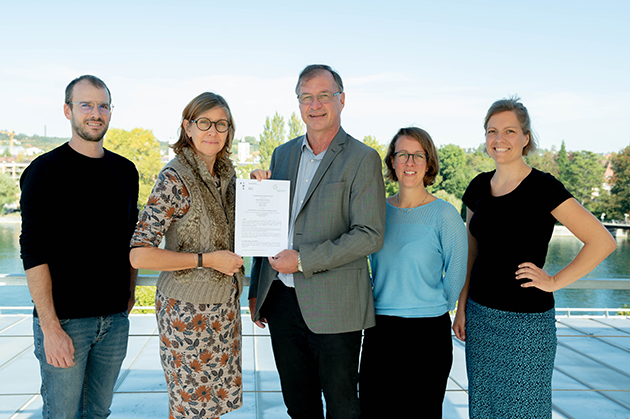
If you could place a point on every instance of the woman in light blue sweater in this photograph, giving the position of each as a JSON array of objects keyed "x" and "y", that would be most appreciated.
[{"x": 417, "y": 277}]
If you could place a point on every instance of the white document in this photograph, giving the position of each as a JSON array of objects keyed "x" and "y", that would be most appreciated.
[{"x": 262, "y": 217}]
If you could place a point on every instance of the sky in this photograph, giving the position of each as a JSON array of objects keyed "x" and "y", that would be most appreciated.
[{"x": 436, "y": 65}]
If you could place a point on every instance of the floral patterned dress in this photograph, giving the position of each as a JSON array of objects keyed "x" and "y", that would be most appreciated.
[{"x": 200, "y": 344}]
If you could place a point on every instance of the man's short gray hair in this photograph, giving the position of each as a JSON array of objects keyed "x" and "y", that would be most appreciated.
[{"x": 313, "y": 70}]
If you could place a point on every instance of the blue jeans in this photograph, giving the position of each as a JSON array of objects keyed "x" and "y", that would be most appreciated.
[{"x": 86, "y": 389}]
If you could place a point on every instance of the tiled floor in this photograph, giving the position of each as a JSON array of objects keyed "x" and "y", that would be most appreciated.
[{"x": 592, "y": 377}]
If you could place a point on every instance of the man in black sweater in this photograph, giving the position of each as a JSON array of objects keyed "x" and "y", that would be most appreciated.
[{"x": 79, "y": 209}]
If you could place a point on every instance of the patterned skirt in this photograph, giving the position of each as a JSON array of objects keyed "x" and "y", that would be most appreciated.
[
  {"x": 200, "y": 351},
  {"x": 509, "y": 359}
]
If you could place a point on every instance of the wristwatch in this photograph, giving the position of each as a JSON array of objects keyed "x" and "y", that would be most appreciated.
[
  {"x": 199, "y": 260},
  {"x": 299, "y": 263}
]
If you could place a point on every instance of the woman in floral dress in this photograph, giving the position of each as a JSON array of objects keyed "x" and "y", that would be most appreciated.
[{"x": 197, "y": 299}]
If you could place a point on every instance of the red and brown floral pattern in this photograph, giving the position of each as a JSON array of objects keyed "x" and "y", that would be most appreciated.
[
  {"x": 169, "y": 201},
  {"x": 200, "y": 350}
]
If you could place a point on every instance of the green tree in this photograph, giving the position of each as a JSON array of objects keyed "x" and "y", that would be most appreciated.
[
  {"x": 584, "y": 174},
  {"x": 272, "y": 136},
  {"x": 381, "y": 149},
  {"x": 563, "y": 164},
  {"x": 391, "y": 188},
  {"x": 142, "y": 148},
  {"x": 478, "y": 161},
  {"x": 544, "y": 160},
  {"x": 243, "y": 170},
  {"x": 455, "y": 175},
  {"x": 450, "y": 198},
  {"x": 145, "y": 297},
  {"x": 296, "y": 126},
  {"x": 619, "y": 203},
  {"x": 8, "y": 191}
]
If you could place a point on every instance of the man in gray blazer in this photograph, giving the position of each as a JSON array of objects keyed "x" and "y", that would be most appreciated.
[{"x": 316, "y": 296}]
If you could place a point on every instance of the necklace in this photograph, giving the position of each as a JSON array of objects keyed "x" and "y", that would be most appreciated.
[{"x": 409, "y": 209}]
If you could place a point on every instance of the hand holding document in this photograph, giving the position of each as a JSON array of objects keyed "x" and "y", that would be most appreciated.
[{"x": 262, "y": 217}]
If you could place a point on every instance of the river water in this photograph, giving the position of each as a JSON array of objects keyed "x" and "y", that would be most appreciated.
[{"x": 561, "y": 251}]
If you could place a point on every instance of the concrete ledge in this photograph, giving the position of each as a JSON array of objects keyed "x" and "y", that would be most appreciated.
[
  {"x": 589, "y": 283},
  {"x": 20, "y": 279}
]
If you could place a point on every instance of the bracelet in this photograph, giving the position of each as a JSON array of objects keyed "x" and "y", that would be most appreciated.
[
  {"x": 199, "y": 260},
  {"x": 299, "y": 263}
]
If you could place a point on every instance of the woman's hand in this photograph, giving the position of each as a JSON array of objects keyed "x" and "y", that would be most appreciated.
[
  {"x": 539, "y": 277},
  {"x": 223, "y": 261},
  {"x": 459, "y": 324},
  {"x": 260, "y": 174}
]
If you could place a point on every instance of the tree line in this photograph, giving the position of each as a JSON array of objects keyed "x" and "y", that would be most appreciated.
[
  {"x": 138, "y": 145},
  {"x": 582, "y": 172}
]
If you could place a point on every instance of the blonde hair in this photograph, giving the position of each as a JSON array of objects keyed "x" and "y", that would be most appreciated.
[{"x": 513, "y": 104}]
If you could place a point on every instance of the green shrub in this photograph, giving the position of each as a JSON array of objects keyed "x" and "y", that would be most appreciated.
[{"x": 145, "y": 297}]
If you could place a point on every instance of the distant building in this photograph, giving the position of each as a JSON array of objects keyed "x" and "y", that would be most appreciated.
[
  {"x": 243, "y": 152},
  {"x": 13, "y": 150},
  {"x": 12, "y": 168},
  {"x": 31, "y": 151},
  {"x": 607, "y": 183}
]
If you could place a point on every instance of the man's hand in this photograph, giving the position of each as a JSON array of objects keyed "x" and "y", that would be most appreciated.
[
  {"x": 252, "y": 309},
  {"x": 57, "y": 344},
  {"x": 59, "y": 348},
  {"x": 260, "y": 174},
  {"x": 285, "y": 262}
]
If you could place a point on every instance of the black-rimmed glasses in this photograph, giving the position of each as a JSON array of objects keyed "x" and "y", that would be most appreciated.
[
  {"x": 403, "y": 157},
  {"x": 321, "y": 98},
  {"x": 204, "y": 124},
  {"x": 88, "y": 107}
]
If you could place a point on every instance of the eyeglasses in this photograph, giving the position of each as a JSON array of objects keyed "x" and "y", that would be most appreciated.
[
  {"x": 403, "y": 158},
  {"x": 204, "y": 124},
  {"x": 321, "y": 98},
  {"x": 88, "y": 107}
]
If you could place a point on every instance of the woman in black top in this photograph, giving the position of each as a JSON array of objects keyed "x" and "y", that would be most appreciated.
[{"x": 506, "y": 308}]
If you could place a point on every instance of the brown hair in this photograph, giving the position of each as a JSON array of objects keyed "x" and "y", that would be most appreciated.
[
  {"x": 93, "y": 80},
  {"x": 513, "y": 104},
  {"x": 203, "y": 103},
  {"x": 423, "y": 137}
]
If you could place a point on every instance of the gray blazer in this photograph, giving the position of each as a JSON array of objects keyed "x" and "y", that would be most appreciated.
[{"x": 342, "y": 220}]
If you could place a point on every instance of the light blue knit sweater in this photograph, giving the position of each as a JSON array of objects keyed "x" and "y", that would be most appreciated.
[{"x": 421, "y": 268}]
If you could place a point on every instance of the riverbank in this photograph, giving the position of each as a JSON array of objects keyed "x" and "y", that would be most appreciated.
[{"x": 562, "y": 231}]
